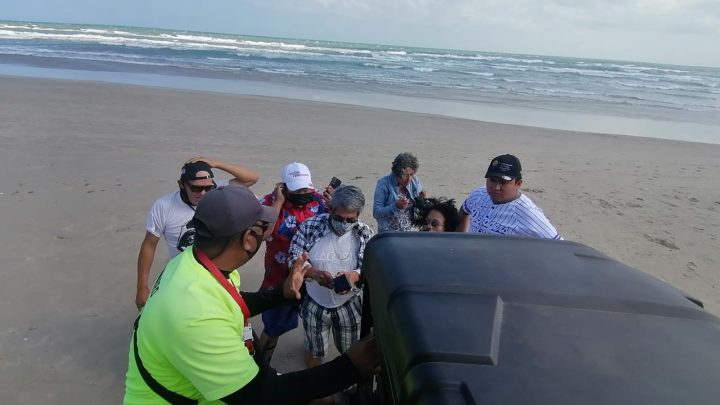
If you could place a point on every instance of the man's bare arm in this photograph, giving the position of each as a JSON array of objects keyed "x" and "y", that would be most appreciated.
[
  {"x": 144, "y": 263},
  {"x": 241, "y": 174}
]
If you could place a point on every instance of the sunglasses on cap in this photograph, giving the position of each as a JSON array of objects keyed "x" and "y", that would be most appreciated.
[
  {"x": 496, "y": 179},
  {"x": 198, "y": 189},
  {"x": 338, "y": 218}
]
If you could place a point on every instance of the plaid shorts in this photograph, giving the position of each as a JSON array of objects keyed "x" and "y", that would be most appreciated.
[{"x": 318, "y": 320}]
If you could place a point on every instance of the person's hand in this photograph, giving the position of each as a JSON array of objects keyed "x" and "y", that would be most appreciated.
[
  {"x": 327, "y": 194},
  {"x": 279, "y": 193},
  {"x": 212, "y": 162},
  {"x": 352, "y": 277},
  {"x": 141, "y": 297},
  {"x": 402, "y": 203},
  {"x": 324, "y": 278},
  {"x": 423, "y": 194},
  {"x": 365, "y": 356},
  {"x": 294, "y": 281}
]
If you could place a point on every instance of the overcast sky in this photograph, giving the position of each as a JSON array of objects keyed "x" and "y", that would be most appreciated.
[{"x": 667, "y": 31}]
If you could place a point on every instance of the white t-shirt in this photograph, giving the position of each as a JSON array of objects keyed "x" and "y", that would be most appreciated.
[
  {"x": 333, "y": 254},
  {"x": 520, "y": 217},
  {"x": 169, "y": 218}
]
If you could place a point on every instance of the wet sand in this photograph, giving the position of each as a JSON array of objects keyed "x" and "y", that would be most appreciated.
[{"x": 82, "y": 162}]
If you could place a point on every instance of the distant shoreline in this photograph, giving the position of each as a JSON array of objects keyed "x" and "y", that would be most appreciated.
[{"x": 545, "y": 113}]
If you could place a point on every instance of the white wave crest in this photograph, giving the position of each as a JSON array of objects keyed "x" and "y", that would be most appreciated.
[
  {"x": 484, "y": 74},
  {"x": 288, "y": 72},
  {"x": 647, "y": 86}
]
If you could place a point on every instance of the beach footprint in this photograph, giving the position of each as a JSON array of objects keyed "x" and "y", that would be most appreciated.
[
  {"x": 662, "y": 242},
  {"x": 65, "y": 233}
]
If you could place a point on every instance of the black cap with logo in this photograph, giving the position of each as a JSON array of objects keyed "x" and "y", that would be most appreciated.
[{"x": 507, "y": 167}]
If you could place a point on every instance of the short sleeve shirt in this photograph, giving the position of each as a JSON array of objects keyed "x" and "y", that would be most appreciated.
[
  {"x": 169, "y": 218},
  {"x": 520, "y": 217},
  {"x": 276, "y": 248},
  {"x": 190, "y": 337}
]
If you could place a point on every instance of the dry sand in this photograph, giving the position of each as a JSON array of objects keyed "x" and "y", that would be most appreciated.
[{"x": 82, "y": 163}]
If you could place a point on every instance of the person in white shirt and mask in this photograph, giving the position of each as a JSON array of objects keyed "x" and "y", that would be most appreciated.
[{"x": 335, "y": 243}]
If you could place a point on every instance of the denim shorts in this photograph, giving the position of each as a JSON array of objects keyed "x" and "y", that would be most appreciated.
[{"x": 280, "y": 319}]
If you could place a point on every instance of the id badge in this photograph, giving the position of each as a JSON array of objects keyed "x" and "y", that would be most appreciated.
[{"x": 248, "y": 333}]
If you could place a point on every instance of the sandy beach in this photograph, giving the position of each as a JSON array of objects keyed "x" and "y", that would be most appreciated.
[{"x": 82, "y": 162}]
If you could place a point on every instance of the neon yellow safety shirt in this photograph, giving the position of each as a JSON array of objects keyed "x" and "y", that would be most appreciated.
[{"x": 190, "y": 337}]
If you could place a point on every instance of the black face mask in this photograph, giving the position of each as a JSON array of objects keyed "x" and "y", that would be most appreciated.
[
  {"x": 259, "y": 240},
  {"x": 185, "y": 199},
  {"x": 300, "y": 199}
]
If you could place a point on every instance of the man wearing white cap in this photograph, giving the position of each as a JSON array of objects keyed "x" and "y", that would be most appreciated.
[{"x": 296, "y": 200}]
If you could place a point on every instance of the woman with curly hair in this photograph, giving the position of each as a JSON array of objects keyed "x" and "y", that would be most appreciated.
[{"x": 437, "y": 215}]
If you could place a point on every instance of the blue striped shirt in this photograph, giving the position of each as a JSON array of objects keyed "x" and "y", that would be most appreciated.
[{"x": 520, "y": 217}]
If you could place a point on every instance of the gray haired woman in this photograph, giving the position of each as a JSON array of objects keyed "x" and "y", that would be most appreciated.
[{"x": 396, "y": 193}]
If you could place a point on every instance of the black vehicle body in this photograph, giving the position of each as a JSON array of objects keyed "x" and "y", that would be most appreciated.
[{"x": 471, "y": 319}]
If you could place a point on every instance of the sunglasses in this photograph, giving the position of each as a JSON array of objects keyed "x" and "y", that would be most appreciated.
[
  {"x": 198, "y": 189},
  {"x": 262, "y": 225},
  {"x": 341, "y": 219}
]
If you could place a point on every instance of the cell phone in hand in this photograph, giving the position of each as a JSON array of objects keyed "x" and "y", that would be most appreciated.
[
  {"x": 341, "y": 284},
  {"x": 335, "y": 182}
]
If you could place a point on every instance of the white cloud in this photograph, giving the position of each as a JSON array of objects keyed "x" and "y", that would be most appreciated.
[
  {"x": 653, "y": 15},
  {"x": 652, "y": 30}
]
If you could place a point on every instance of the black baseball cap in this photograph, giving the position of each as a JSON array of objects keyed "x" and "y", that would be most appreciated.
[
  {"x": 190, "y": 170},
  {"x": 507, "y": 167},
  {"x": 229, "y": 210}
]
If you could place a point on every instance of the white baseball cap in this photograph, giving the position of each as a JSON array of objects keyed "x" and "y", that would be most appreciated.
[{"x": 296, "y": 176}]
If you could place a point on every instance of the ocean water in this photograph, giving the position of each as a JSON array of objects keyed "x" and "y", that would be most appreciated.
[{"x": 633, "y": 98}]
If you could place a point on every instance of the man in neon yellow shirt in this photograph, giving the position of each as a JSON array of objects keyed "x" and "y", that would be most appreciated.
[{"x": 189, "y": 341}]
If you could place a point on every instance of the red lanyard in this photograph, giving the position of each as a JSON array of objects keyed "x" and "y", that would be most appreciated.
[{"x": 213, "y": 269}]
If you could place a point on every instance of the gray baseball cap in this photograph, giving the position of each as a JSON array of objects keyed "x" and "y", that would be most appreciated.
[{"x": 229, "y": 210}]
